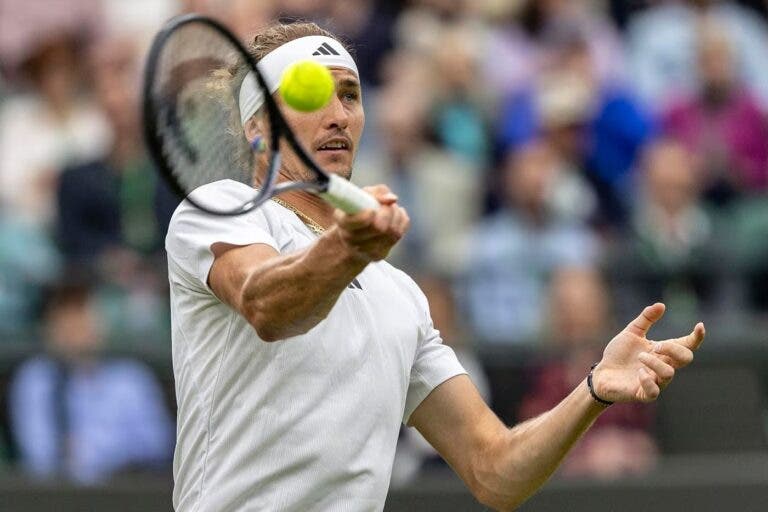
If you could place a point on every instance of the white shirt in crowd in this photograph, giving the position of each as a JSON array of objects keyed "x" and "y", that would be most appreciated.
[
  {"x": 35, "y": 147},
  {"x": 306, "y": 423}
]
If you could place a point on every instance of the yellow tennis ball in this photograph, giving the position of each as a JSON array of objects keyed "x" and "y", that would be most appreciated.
[{"x": 306, "y": 85}]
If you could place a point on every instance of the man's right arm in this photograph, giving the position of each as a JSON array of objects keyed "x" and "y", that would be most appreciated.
[{"x": 286, "y": 295}]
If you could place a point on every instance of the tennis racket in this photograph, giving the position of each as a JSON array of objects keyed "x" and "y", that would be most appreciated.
[{"x": 192, "y": 128}]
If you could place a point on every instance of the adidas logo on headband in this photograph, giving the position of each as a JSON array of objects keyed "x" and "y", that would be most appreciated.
[{"x": 325, "y": 49}]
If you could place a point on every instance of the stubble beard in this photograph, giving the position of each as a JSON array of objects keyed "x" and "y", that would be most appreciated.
[{"x": 294, "y": 170}]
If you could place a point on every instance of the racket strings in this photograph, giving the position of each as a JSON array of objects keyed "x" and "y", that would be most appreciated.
[{"x": 197, "y": 116}]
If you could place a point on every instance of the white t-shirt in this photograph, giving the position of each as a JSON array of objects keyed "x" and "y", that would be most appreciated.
[{"x": 307, "y": 423}]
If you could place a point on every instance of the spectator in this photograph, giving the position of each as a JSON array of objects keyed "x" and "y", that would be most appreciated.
[
  {"x": 115, "y": 203},
  {"x": 598, "y": 126},
  {"x": 671, "y": 253},
  {"x": 569, "y": 195},
  {"x": 30, "y": 262},
  {"x": 313, "y": 10},
  {"x": 368, "y": 28},
  {"x": 78, "y": 415},
  {"x": 428, "y": 180},
  {"x": 518, "y": 51},
  {"x": 458, "y": 115},
  {"x": 422, "y": 24},
  {"x": 514, "y": 252},
  {"x": 246, "y": 17},
  {"x": 721, "y": 123},
  {"x": 113, "y": 212},
  {"x": 662, "y": 47},
  {"x": 451, "y": 35},
  {"x": 669, "y": 217},
  {"x": 55, "y": 119},
  {"x": 620, "y": 442}
]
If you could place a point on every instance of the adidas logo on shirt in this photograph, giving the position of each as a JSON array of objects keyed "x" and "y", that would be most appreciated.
[
  {"x": 355, "y": 284},
  {"x": 325, "y": 49}
]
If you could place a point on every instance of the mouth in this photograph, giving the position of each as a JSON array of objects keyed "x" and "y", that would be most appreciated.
[{"x": 336, "y": 145}]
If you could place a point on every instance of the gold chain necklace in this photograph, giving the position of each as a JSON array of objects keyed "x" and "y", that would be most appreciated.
[{"x": 306, "y": 219}]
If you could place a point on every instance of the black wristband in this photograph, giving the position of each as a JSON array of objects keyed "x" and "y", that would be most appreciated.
[{"x": 592, "y": 389}]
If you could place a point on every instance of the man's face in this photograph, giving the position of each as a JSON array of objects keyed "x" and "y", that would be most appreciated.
[
  {"x": 74, "y": 330},
  {"x": 671, "y": 177},
  {"x": 330, "y": 135}
]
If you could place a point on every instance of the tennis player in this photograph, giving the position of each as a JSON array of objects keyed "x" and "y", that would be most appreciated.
[{"x": 298, "y": 351}]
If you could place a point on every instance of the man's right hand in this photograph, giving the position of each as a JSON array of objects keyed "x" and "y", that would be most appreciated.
[{"x": 371, "y": 234}]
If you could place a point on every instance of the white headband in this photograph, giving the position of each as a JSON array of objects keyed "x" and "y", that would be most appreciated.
[{"x": 322, "y": 49}]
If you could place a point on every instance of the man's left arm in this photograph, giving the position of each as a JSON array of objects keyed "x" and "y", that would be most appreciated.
[{"x": 503, "y": 467}]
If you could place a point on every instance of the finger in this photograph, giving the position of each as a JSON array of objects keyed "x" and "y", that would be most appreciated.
[
  {"x": 361, "y": 236},
  {"x": 650, "y": 389},
  {"x": 646, "y": 319},
  {"x": 693, "y": 340},
  {"x": 663, "y": 371},
  {"x": 356, "y": 221},
  {"x": 375, "y": 242},
  {"x": 382, "y": 193},
  {"x": 377, "y": 190},
  {"x": 401, "y": 222},
  {"x": 676, "y": 354},
  {"x": 397, "y": 226},
  {"x": 383, "y": 219}
]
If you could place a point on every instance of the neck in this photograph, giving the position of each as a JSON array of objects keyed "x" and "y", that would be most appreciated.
[
  {"x": 307, "y": 203},
  {"x": 311, "y": 206}
]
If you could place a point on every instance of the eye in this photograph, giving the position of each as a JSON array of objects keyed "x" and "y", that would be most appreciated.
[{"x": 350, "y": 96}]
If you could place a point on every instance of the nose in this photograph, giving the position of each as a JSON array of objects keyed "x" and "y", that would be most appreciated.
[{"x": 336, "y": 116}]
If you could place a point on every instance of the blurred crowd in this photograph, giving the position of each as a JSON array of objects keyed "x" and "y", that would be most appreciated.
[{"x": 564, "y": 163}]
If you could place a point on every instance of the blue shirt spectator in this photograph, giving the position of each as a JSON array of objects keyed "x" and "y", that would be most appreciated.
[
  {"x": 75, "y": 414},
  {"x": 87, "y": 423},
  {"x": 514, "y": 252},
  {"x": 511, "y": 263},
  {"x": 598, "y": 127}
]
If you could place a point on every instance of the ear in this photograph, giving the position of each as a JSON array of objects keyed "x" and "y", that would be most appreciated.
[{"x": 254, "y": 127}]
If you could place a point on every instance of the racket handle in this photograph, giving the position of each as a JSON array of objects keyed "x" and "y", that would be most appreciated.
[{"x": 348, "y": 197}]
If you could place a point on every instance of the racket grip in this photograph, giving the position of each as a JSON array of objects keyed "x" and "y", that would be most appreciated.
[{"x": 348, "y": 197}]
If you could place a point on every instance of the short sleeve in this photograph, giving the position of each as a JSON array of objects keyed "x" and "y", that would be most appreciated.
[
  {"x": 192, "y": 231},
  {"x": 434, "y": 363}
]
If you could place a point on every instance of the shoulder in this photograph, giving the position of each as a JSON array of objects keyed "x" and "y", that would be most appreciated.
[
  {"x": 228, "y": 190},
  {"x": 226, "y": 193},
  {"x": 189, "y": 220},
  {"x": 193, "y": 232}
]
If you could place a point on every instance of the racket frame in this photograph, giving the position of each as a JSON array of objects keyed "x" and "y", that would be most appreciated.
[{"x": 334, "y": 189}]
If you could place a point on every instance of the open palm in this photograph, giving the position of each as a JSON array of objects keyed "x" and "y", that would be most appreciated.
[{"x": 636, "y": 369}]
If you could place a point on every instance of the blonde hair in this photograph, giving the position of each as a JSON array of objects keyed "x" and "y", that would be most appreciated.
[{"x": 278, "y": 34}]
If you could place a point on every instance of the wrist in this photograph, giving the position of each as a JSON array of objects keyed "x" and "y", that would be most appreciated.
[
  {"x": 595, "y": 390},
  {"x": 348, "y": 253}
]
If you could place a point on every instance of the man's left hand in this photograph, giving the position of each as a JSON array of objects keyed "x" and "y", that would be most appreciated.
[{"x": 636, "y": 369}]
